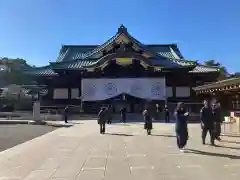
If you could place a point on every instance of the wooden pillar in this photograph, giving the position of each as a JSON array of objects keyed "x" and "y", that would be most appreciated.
[
  {"x": 174, "y": 91},
  {"x": 69, "y": 87},
  {"x": 69, "y": 93}
]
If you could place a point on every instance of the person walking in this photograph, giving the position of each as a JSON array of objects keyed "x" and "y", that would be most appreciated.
[
  {"x": 102, "y": 119},
  {"x": 65, "y": 114},
  {"x": 123, "y": 114},
  {"x": 109, "y": 115},
  {"x": 216, "y": 110},
  {"x": 207, "y": 122},
  {"x": 147, "y": 121},
  {"x": 181, "y": 126},
  {"x": 166, "y": 113}
]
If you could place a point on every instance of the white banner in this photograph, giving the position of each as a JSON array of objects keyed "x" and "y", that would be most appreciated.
[{"x": 102, "y": 89}]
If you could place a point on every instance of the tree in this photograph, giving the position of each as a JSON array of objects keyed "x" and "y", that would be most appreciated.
[
  {"x": 212, "y": 63},
  {"x": 14, "y": 71},
  {"x": 235, "y": 75},
  {"x": 224, "y": 73}
]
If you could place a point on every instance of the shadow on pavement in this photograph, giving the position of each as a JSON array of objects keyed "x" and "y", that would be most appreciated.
[
  {"x": 163, "y": 135},
  {"x": 120, "y": 124},
  {"x": 194, "y": 151},
  {"x": 228, "y": 147},
  {"x": 119, "y": 134},
  {"x": 227, "y": 141},
  {"x": 231, "y": 135}
]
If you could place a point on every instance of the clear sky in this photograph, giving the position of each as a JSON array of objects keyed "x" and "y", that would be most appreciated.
[{"x": 204, "y": 29}]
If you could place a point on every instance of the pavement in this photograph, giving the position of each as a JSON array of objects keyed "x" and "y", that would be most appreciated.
[
  {"x": 124, "y": 152},
  {"x": 46, "y": 123},
  {"x": 14, "y": 134}
]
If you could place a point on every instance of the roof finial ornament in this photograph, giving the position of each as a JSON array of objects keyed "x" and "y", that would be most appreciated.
[{"x": 122, "y": 29}]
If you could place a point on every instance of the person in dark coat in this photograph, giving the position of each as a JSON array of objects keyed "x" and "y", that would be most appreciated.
[
  {"x": 158, "y": 111},
  {"x": 207, "y": 122},
  {"x": 216, "y": 110},
  {"x": 147, "y": 120},
  {"x": 65, "y": 114},
  {"x": 181, "y": 126},
  {"x": 166, "y": 113},
  {"x": 123, "y": 114},
  {"x": 102, "y": 119},
  {"x": 109, "y": 115}
]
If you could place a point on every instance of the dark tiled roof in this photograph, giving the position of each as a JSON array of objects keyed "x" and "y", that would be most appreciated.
[
  {"x": 75, "y": 64},
  {"x": 42, "y": 71},
  {"x": 73, "y": 52},
  {"x": 165, "y": 63},
  {"x": 29, "y": 91},
  {"x": 78, "y": 57},
  {"x": 219, "y": 84},
  {"x": 166, "y": 50},
  {"x": 69, "y": 53},
  {"x": 44, "y": 92},
  {"x": 204, "y": 69},
  {"x": 199, "y": 68}
]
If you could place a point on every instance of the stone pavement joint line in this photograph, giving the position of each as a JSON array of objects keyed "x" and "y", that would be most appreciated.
[{"x": 124, "y": 152}]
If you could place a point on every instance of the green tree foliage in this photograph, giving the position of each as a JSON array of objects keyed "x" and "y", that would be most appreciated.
[
  {"x": 212, "y": 63},
  {"x": 13, "y": 73},
  {"x": 223, "y": 69},
  {"x": 236, "y": 74}
]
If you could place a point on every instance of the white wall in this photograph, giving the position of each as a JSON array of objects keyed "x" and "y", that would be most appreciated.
[
  {"x": 60, "y": 93},
  {"x": 183, "y": 91}
]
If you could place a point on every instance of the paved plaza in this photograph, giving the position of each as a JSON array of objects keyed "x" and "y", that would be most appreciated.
[
  {"x": 14, "y": 134},
  {"x": 124, "y": 152}
]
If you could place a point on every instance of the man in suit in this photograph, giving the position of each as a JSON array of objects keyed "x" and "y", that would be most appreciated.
[
  {"x": 65, "y": 114},
  {"x": 166, "y": 112},
  {"x": 102, "y": 119},
  {"x": 216, "y": 109},
  {"x": 207, "y": 122}
]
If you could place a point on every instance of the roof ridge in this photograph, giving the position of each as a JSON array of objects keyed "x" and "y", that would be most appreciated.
[
  {"x": 204, "y": 65},
  {"x": 76, "y": 45},
  {"x": 154, "y": 45},
  {"x": 185, "y": 60},
  {"x": 93, "y": 45}
]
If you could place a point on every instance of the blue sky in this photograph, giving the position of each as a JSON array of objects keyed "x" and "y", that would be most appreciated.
[{"x": 204, "y": 29}]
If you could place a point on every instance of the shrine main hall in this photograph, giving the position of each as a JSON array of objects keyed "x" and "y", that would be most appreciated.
[{"x": 122, "y": 72}]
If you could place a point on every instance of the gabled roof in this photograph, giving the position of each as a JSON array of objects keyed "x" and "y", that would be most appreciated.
[{"x": 68, "y": 52}]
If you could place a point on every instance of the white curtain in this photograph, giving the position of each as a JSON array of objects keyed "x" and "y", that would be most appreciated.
[{"x": 102, "y": 89}]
